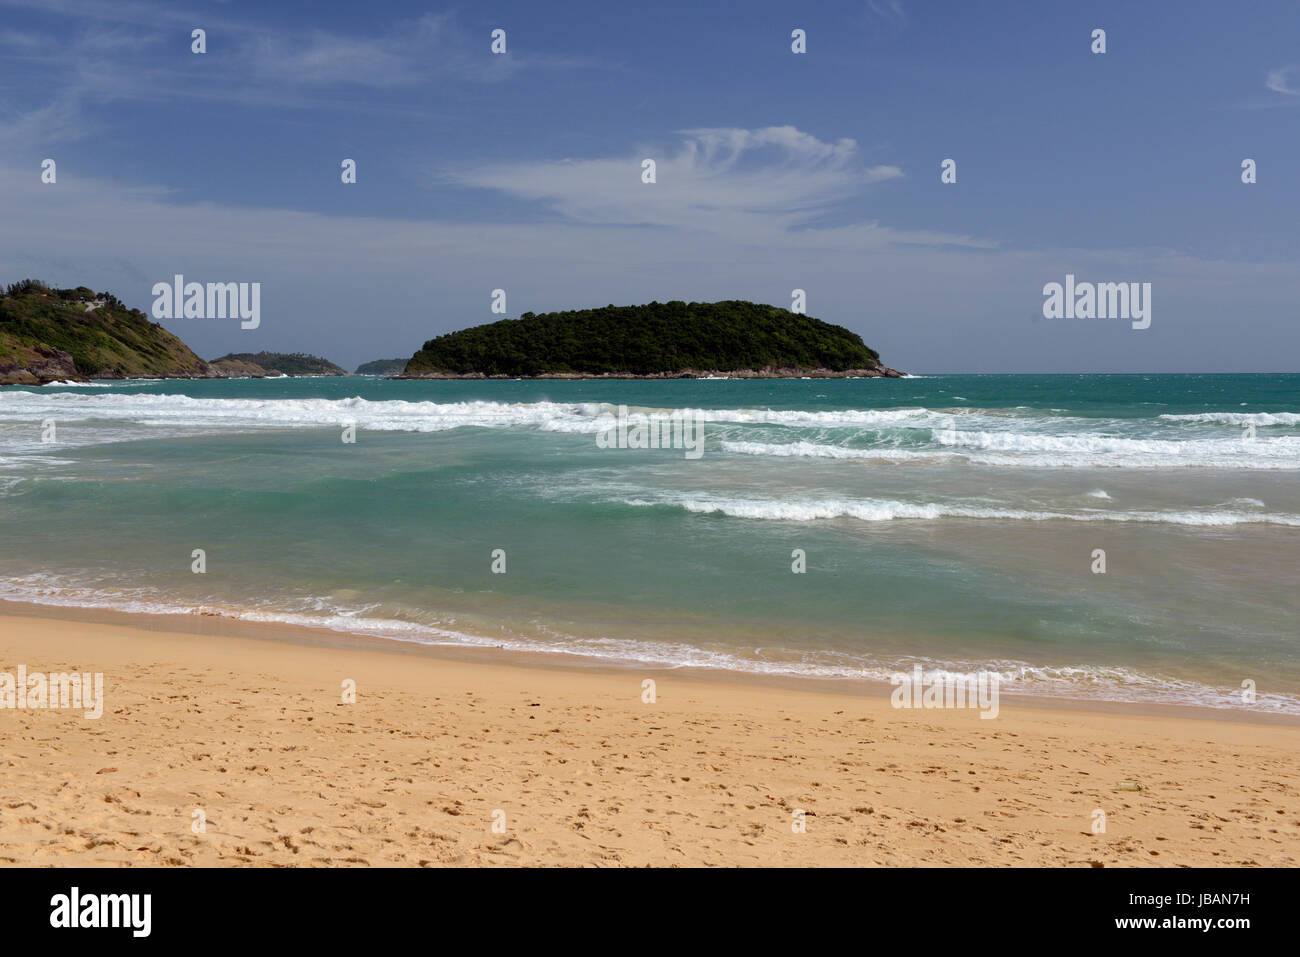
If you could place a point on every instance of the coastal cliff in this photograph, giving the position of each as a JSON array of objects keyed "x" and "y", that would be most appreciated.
[{"x": 51, "y": 335}]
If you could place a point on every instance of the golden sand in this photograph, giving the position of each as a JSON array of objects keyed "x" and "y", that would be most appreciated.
[{"x": 254, "y": 734}]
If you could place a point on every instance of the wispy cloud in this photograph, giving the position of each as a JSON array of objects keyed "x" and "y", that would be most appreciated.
[
  {"x": 20, "y": 40},
  {"x": 891, "y": 11},
  {"x": 320, "y": 57},
  {"x": 1279, "y": 81},
  {"x": 114, "y": 52},
  {"x": 748, "y": 184}
]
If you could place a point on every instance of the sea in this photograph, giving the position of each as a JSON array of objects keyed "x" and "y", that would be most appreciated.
[{"x": 1119, "y": 538}]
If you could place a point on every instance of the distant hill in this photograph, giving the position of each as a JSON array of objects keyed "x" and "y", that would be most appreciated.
[
  {"x": 275, "y": 363},
  {"x": 235, "y": 369},
  {"x": 382, "y": 367},
  {"x": 661, "y": 339},
  {"x": 48, "y": 335}
]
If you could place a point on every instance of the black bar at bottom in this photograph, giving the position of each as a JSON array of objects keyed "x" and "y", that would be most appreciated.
[{"x": 332, "y": 907}]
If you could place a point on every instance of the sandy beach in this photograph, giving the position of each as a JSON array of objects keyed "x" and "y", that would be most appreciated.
[{"x": 579, "y": 770}]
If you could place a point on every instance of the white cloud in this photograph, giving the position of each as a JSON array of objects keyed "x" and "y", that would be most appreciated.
[
  {"x": 748, "y": 184},
  {"x": 1279, "y": 81},
  {"x": 322, "y": 58}
]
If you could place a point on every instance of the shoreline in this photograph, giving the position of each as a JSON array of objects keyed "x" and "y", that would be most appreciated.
[
  {"x": 251, "y": 733},
  {"x": 290, "y": 633},
  {"x": 881, "y": 373}
]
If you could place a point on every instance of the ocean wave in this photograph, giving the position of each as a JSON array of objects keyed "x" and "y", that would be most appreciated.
[
  {"x": 806, "y": 449},
  {"x": 866, "y": 419},
  {"x": 105, "y": 384},
  {"x": 919, "y": 435},
  {"x": 166, "y": 415},
  {"x": 382, "y": 415},
  {"x": 399, "y": 414},
  {"x": 1092, "y": 442},
  {"x": 1053, "y": 452},
  {"x": 1237, "y": 418},
  {"x": 884, "y": 510}
]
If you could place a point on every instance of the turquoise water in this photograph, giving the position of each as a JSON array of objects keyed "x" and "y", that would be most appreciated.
[{"x": 946, "y": 520}]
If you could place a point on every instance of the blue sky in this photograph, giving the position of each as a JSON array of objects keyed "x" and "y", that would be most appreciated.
[{"x": 775, "y": 171}]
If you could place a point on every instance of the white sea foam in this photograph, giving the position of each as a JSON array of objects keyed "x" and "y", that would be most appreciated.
[
  {"x": 420, "y": 416},
  {"x": 1044, "y": 451},
  {"x": 1013, "y": 437},
  {"x": 1092, "y": 442},
  {"x": 884, "y": 510},
  {"x": 388, "y": 415},
  {"x": 106, "y": 384},
  {"x": 1238, "y": 418}
]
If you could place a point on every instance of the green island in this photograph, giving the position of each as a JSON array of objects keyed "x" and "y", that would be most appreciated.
[
  {"x": 658, "y": 340},
  {"x": 262, "y": 364},
  {"x": 77, "y": 334},
  {"x": 51, "y": 335},
  {"x": 381, "y": 367}
]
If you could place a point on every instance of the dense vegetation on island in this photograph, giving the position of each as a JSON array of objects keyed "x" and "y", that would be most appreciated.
[
  {"x": 382, "y": 367},
  {"x": 660, "y": 339},
  {"x": 49, "y": 335},
  {"x": 275, "y": 363}
]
